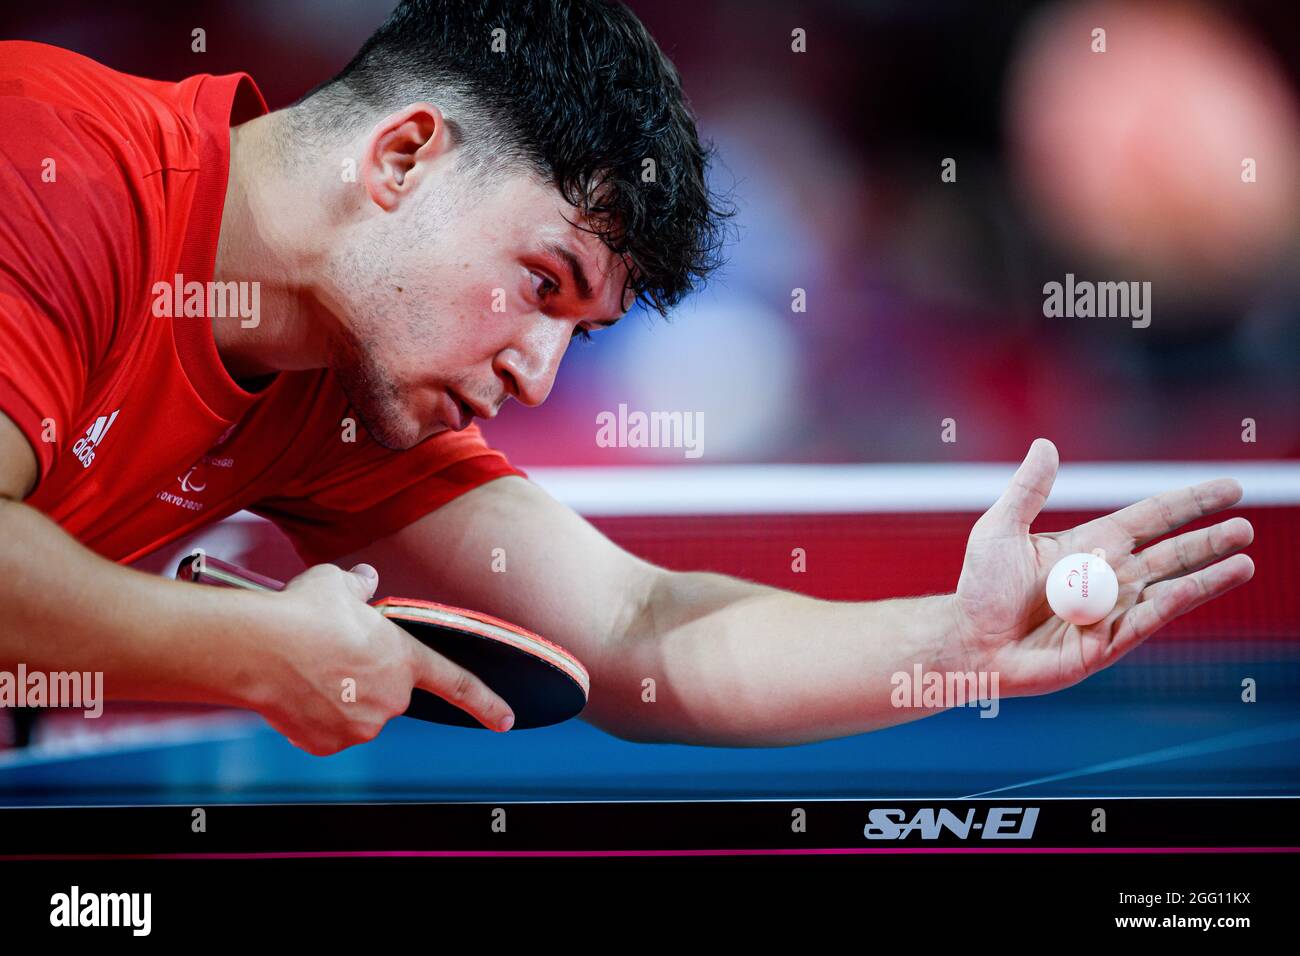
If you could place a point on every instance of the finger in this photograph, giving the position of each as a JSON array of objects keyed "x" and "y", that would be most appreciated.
[
  {"x": 1161, "y": 603},
  {"x": 1029, "y": 487},
  {"x": 462, "y": 689},
  {"x": 1162, "y": 513},
  {"x": 1195, "y": 549},
  {"x": 362, "y": 580}
]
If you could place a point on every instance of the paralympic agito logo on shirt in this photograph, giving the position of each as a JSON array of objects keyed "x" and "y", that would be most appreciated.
[
  {"x": 930, "y": 823},
  {"x": 195, "y": 480}
]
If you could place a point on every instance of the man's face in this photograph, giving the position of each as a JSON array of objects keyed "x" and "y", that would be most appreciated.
[{"x": 463, "y": 295}]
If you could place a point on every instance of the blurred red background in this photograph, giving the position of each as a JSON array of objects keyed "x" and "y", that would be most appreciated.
[{"x": 924, "y": 297}]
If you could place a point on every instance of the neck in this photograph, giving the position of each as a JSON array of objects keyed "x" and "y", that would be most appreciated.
[{"x": 265, "y": 212}]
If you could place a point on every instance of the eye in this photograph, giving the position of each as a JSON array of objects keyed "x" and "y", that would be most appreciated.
[
  {"x": 543, "y": 285},
  {"x": 581, "y": 334}
]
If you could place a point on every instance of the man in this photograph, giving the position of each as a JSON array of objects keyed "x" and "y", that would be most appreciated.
[{"x": 200, "y": 301}]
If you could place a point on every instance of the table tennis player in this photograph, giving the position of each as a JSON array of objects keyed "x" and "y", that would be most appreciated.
[{"x": 206, "y": 306}]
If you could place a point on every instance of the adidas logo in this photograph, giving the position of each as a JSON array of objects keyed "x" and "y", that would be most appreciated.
[{"x": 84, "y": 449}]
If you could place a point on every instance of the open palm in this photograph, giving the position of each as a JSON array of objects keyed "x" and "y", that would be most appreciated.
[{"x": 1004, "y": 623}]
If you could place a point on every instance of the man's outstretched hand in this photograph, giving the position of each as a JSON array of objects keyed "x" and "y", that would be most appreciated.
[{"x": 1004, "y": 623}]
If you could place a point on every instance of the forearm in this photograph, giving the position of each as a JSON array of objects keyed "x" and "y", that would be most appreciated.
[
  {"x": 738, "y": 664},
  {"x": 64, "y": 608}
]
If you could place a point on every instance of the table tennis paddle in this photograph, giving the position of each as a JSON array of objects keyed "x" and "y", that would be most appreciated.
[{"x": 542, "y": 682}]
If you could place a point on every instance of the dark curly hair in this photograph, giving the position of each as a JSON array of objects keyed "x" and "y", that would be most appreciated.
[{"x": 575, "y": 90}]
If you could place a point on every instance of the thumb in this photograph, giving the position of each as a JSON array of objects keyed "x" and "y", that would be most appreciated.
[
  {"x": 1029, "y": 487},
  {"x": 362, "y": 580}
]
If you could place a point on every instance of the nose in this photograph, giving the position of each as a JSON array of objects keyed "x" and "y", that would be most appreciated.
[{"x": 530, "y": 367}]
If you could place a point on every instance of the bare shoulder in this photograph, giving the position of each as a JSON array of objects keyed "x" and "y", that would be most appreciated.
[{"x": 17, "y": 462}]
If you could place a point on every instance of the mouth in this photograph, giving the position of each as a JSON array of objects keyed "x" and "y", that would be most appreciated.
[
  {"x": 462, "y": 413},
  {"x": 458, "y": 413}
]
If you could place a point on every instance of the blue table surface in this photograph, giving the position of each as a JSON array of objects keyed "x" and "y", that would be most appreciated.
[{"x": 1074, "y": 743}]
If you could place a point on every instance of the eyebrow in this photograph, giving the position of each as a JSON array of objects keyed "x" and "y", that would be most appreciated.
[{"x": 579, "y": 275}]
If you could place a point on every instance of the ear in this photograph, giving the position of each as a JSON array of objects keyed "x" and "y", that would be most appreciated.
[{"x": 401, "y": 147}]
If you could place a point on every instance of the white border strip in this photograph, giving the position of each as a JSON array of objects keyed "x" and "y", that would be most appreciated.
[
  {"x": 851, "y": 489},
  {"x": 821, "y": 489}
]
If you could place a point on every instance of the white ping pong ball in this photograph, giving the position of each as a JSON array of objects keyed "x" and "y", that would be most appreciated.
[{"x": 1082, "y": 589}]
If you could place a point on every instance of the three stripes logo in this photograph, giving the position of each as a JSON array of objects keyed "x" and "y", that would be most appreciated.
[{"x": 85, "y": 447}]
